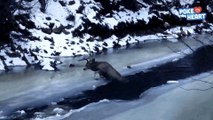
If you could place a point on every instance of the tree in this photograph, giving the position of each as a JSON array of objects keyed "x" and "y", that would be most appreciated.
[
  {"x": 7, "y": 21},
  {"x": 43, "y": 5}
]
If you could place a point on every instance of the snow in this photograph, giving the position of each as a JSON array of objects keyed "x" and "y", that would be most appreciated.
[
  {"x": 177, "y": 30},
  {"x": 55, "y": 10},
  {"x": 1, "y": 66},
  {"x": 74, "y": 7},
  {"x": 15, "y": 62},
  {"x": 46, "y": 63},
  {"x": 10, "y": 61},
  {"x": 58, "y": 110},
  {"x": 127, "y": 16},
  {"x": 47, "y": 67},
  {"x": 186, "y": 2},
  {"x": 111, "y": 22},
  {"x": 110, "y": 41},
  {"x": 62, "y": 41},
  {"x": 21, "y": 112},
  {"x": 91, "y": 13}
]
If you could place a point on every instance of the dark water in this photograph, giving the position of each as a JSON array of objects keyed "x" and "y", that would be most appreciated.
[{"x": 198, "y": 62}]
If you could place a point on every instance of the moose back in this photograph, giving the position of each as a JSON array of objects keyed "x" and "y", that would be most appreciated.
[{"x": 105, "y": 69}]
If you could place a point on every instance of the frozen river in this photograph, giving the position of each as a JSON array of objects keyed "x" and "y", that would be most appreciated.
[{"x": 72, "y": 92}]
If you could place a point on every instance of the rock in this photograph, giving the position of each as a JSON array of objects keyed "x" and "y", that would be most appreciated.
[
  {"x": 80, "y": 9},
  {"x": 13, "y": 54},
  {"x": 166, "y": 25},
  {"x": 58, "y": 30},
  {"x": 38, "y": 65},
  {"x": 128, "y": 66},
  {"x": 97, "y": 50},
  {"x": 72, "y": 43},
  {"x": 71, "y": 65},
  {"x": 71, "y": 17},
  {"x": 46, "y": 30},
  {"x": 198, "y": 29},
  {"x": 81, "y": 41},
  {"x": 71, "y": 2},
  {"x": 56, "y": 53},
  {"x": 91, "y": 39},
  {"x": 45, "y": 51},
  {"x": 48, "y": 18},
  {"x": 24, "y": 58},
  {"x": 65, "y": 32},
  {"x": 37, "y": 49},
  {"x": 11, "y": 62},
  {"x": 4, "y": 65},
  {"x": 104, "y": 49},
  {"x": 53, "y": 65},
  {"x": 33, "y": 55},
  {"x": 206, "y": 25},
  {"x": 51, "y": 25},
  {"x": 84, "y": 49},
  {"x": 62, "y": 3},
  {"x": 116, "y": 45},
  {"x": 105, "y": 44},
  {"x": 68, "y": 26},
  {"x": 127, "y": 44},
  {"x": 49, "y": 39}
]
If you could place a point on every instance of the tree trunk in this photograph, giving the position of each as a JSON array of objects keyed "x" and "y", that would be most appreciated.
[{"x": 43, "y": 5}]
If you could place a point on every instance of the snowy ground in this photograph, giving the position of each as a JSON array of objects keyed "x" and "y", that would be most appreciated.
[
  {"x": 54, "y": 30},
  {"x": 34, "y": 87}
]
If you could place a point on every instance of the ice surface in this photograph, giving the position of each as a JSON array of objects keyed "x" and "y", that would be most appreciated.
[
  {"x": 176, "y": 104},
  {"x": 35, "y": 87},
  {"x": 167, "y": 102}
]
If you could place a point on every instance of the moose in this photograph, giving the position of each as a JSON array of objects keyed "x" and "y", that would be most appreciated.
[{"x": 105, "y": 70}]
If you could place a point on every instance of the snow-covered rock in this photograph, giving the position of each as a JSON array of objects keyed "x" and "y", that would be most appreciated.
[{"x": 48, "y": 64}]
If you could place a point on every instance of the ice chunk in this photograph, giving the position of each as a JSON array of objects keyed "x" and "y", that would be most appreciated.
[{"x": 172, "y": 82}]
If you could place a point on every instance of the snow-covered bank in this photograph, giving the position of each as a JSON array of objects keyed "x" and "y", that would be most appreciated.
[
  {"x": 77, "y": 27},
  {"x": 43, "y": 87}
]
